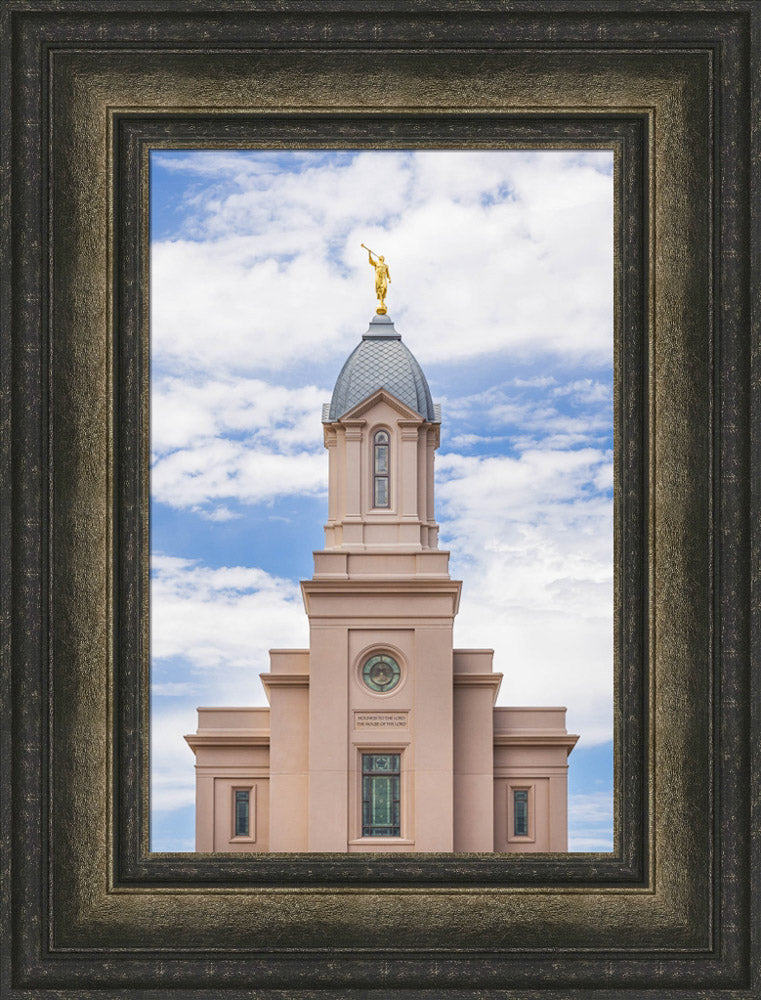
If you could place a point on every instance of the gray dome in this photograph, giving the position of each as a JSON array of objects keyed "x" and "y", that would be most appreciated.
[{"x": 381, "y": 361}]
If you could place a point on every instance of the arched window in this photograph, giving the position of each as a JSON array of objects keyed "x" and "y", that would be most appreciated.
[{"x": 380, "y": 469}]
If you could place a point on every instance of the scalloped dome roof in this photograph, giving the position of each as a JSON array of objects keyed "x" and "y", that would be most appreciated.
[{"x": 381, "y": 361}]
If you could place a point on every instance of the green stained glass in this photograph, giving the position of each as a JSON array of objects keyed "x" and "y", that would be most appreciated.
[
  {"x": 520, "y": 812},
  {"x": 380, "y": 795},
  {"x": 381, "y": 673},
  {"x": 242, "y": 806}
]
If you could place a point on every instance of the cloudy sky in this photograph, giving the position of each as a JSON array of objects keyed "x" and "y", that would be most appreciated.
[{"x": 501, "y": 285}]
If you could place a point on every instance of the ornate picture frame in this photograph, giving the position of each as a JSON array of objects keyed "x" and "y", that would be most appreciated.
[{"x": 88, "y": 89}]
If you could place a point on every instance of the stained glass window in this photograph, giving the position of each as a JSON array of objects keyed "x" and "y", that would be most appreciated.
[
  {"x": 242, "y": 813},
  {"x": 381, "y": 672},
  {"x": 380, "y": 795},
  {"x": 520, "y": 812},
  {"x": 380, "y": 469}
]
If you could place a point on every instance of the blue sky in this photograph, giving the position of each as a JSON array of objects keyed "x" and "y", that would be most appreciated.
[{"x": 502, "y": 282}]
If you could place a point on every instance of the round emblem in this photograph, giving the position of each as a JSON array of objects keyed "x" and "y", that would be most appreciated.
[{"x": 381, "y": 673}]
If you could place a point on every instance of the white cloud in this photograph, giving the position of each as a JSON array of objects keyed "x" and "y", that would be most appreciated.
[
  {"x": 173, "y": 689},
  {"x": 467, "y": 440},
  {"x": 586, "y": 390},
  {"x": 221, "y": 469},
  {"x": 212, "y": 628},
  {"x": 320, "y": 200},
  {"x": 535, "y": 381},
  {"x": 172, "y": 774},
  {"x": 215, "y": 164},
  {"x": 500, "y": 413},
  {"x": 183, "y": 412},
  {"x": 222, "y": 622},
  {"x": 217, "y": 514},
  {"x": 590, "y": 845},
  {"x": 234, "y": 439},
  {"x": 532, "y": 539},
  {"x": 488, "y": 251},
  {"x": 590, "y": 821},
  {"x": 491, "y": 253},
  {"x": 531, "y": 486},
  {"x": 217, "y": 305}
]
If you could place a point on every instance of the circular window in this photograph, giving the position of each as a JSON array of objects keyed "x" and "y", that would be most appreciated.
[{"x": 381, "y": 672}]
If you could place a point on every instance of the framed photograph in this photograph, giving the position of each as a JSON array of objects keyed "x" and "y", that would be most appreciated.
[
  {"x": 90, "y": 94},
  {"x": 503, "y": 287}
]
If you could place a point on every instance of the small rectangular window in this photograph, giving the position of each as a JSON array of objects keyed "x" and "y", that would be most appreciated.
[
  {"x": 381, "y": 458},
  {"x": 520, "y": 812},
  {"x": 381, "y": 492},
  {"x": 242, "y": 813},
  {"x": 381, "y": 779}
]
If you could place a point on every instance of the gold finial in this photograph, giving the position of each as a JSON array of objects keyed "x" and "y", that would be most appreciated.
[{"x": 382, "y": 278}]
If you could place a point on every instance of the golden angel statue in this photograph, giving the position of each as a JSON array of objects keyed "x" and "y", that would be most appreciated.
[{"x": 382, "y": 278}]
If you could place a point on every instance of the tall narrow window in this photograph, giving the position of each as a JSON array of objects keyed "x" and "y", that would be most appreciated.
[
  {"x": 380, "y": 795},
  {"x": 380, "y": 469},
  {"x": 520, "y": 812},
  {"x": 242, "y": 813}
]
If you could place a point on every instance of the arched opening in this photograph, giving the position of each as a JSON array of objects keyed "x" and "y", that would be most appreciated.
[{"x": 381, "y": 493}]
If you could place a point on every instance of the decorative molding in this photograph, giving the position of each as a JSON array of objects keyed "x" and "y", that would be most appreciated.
[{"x": 85, "y": 90}]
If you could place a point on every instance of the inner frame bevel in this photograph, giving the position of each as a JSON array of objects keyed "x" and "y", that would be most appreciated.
[{"x": 134, "y": 137}]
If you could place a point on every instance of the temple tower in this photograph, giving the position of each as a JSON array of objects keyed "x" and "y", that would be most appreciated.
[
  {"x": 381, "y": 736},
  {"x": 381, "y": 603}
]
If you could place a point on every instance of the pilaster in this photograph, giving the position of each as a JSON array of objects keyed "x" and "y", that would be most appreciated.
[
  {"x": 408, "y": 473},
  {"x": 353, "y": 435}
]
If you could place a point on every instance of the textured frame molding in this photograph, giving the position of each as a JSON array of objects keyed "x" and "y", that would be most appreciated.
[
  {"x": 84, "y": 909},
  {"x": 133, "y": 138}
]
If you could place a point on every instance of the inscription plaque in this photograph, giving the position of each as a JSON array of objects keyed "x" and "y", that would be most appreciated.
[{"x": 380, "y": 720}]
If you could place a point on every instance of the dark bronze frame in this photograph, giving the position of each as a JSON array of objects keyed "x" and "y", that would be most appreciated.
[{"x": 87, "y": 89}]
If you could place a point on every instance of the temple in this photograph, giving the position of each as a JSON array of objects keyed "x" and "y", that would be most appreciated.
[{"x": 381, "y": 737}]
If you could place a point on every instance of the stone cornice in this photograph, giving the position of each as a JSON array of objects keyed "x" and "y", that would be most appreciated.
[
  {"x": 477, "y": 680},
  {"x": 228, "y": 737},
  {"x": 365, "y": 586},
  {"x": 493, "y": 680},
  {"x": 270, "y": 680},
  {"x": 534, "y": 738},
  {"x": 386, "y": 585}
]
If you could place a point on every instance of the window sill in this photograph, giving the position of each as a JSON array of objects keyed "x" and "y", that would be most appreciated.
[{"x": 380, "y": 840}]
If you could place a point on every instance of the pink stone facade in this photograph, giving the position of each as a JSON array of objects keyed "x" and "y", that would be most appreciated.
[{"x": 471, "y": 776}]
